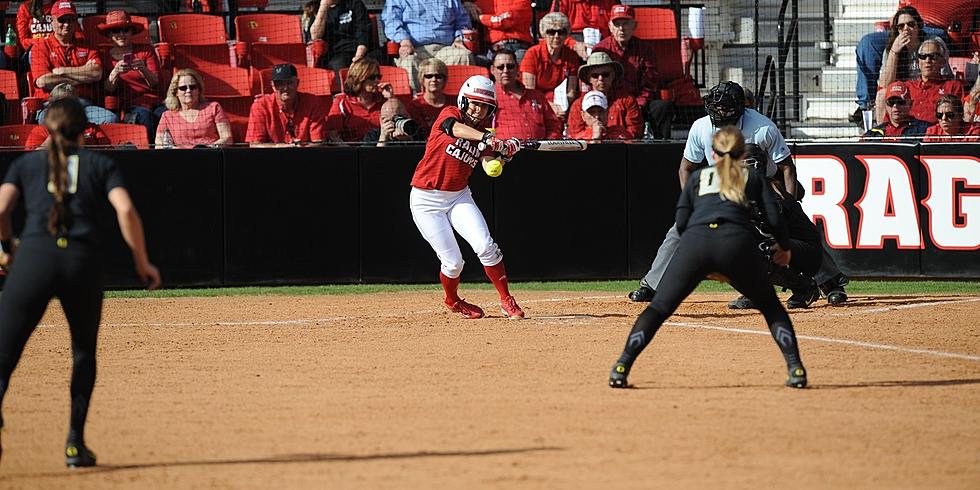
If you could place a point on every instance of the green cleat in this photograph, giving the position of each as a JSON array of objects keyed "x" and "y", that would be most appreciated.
[
  {"x": 78, "y": 456},
  {"x": 617, "y": 377},
  {"x": 797, "y": 377}
]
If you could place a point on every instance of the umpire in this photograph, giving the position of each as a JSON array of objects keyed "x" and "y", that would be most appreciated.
[
  {"x": 714, "y": 216},
  {"x": 59, "y": 255}
]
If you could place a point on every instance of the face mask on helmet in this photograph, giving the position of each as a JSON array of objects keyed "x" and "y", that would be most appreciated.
[
  {"x": 725, "y": 103},
  {"x": 755, "y": 156}
]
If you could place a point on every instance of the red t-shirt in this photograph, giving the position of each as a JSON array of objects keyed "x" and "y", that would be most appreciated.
[
  {"x": 625, "y": 121},
  {"x": 967, "y": 129},
  {"x": 526, "y": 117},
  {"x": 200, "y": 131},
  {"x": 513, "y": 20},
  {"x": 639, "y": 67},
  {"x": 268, "y": 123},
  {"x": 548, "y": 75},
  {"x": 49, "y": 54},
  {"x": 29, "y": 29},
  {"x": 425, "y": 114},
  {"x": 448, "y": 162},
  {"x": 94, "y": 135},
  {"x": 351, "y": 120},
  {"x": 925, "y": 95},
  {"x": 131, "y": 87},
  {"x": 587, "y": 13}
]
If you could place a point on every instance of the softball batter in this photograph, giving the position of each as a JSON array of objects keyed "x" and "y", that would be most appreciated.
[
  {"x": 715, "y": 209},
  {"x": 441, "y": 199},
  {"x": 58, "y": 254}
]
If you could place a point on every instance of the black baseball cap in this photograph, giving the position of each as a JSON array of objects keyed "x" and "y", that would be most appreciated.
[{"x": 284, "y": 71}]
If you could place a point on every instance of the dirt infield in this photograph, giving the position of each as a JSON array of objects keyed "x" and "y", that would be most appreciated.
[{"x": 390, "y": 391}]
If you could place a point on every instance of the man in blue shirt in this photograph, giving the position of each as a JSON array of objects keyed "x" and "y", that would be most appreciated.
[{"x": 425, "y": 29}]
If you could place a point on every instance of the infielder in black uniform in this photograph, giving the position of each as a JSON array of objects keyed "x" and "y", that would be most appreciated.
[
  {"x": 717, "y": 238},
  {"x": 58, "y": 254}
]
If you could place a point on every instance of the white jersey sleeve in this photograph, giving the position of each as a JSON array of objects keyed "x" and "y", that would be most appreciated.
[{"x": 698, "y": 141}]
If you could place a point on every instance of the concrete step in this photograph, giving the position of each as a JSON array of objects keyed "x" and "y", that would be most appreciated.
[
  {"x": 834, "y": 107},
  {"x": 851, "y": 30},
  {"x": 882, "y": 9},
  {"x": 835, "y": 79},
  {"x": 808, "y": 131},
  {"x": 743, "y": 56},
  {"x": 846, "y": 57}
]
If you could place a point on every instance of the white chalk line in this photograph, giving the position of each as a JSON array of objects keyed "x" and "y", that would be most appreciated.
[
  {"x": 860, "y": 343},
  {"x": 870, "y": 345}
]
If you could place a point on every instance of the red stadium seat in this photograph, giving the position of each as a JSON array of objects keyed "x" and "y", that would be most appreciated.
[
  {"x": 394, "y": 75},
  {"x": 458, "y": 75},
  {"x": 15, "y": 135},
  {"x": 95, "y": 38},
  {"x": 192, "y": 29},
  {"x": 10, "y": 90},
  {"x": 263, "y": 55},
  {"x": 268, "y": 28},
  {"x": 670, "y": 70},
  {"x": 655, "y": 23},
  {"x": 237, "y": 109},
  {"x": 126, "y": 134},
  {"x": 201, "y": 57},
  {"x": 226, "y": 81}
]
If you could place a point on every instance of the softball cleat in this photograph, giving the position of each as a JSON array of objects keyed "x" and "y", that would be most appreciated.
[
  {"x": 511, "y": 309},
  {"x": 78, "y": 456},
  {"x": 617, "y": 377},
  {"x": 468, "y": 310},
  {"x": 797, "y": 377}
]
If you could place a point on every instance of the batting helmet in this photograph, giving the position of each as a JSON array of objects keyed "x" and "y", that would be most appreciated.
[
  {"x": 477, "y": 88},
  {"x": 725, "y": 103}
]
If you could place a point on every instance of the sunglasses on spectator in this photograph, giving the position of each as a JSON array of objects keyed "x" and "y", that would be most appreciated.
[
  {"x": 65, "y": 19},
  {"x": 910, "y": 25},
  {"x": 430, "y": 76},
  {"x": 555, "y": 32},
  {"x": 895, "y": 101},
  {"x": 603, "y": 74},
  {"x": 186, "y": 88},
  {"x": 952, "y": 116},
  {"x": 506, "y": 66},
  {"x": 929, "y": 56}
]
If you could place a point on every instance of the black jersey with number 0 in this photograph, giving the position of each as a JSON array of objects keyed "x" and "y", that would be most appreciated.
[
  {"x": 90, "y": 178},
  {"x": 701, "y": 203}
]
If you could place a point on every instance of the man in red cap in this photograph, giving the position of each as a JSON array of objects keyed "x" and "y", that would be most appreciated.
[
  {"x": 900, "y": 125},
  {"x": 639, "y": 69},
  {"x": 286, "y": 116},
  {"x": 58, "y": 59}
]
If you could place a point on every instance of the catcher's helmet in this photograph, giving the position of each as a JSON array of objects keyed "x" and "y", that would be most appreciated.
[
  {"x": 725, "y": 103},
  {"x": 477, "y": 88},
  {"x": 755, "y": 157}
]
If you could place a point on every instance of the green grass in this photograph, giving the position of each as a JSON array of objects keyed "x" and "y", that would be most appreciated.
[{"x": 619, "y": 287}]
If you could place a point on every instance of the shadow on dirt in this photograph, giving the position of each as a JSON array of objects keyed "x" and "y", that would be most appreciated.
[
  {"x": 287, "y": 458},
  {"x": 898, "y": 384}
]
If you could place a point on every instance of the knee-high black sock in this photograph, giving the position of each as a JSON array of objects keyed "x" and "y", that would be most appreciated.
[
  {"x": 785, "y": 337},
  {"x": 82, "y": 384},
  {"x": 644, "y": 329}
]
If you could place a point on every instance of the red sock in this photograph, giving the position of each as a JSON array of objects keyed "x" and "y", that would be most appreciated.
[
  {"x": 498, "y": 276},
  {"x": 449, "y": 285}
]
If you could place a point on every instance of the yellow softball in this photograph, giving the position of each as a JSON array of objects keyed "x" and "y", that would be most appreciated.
[{"x": 493, "y": 167}]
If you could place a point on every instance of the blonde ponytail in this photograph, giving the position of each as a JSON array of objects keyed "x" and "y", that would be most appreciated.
[{"x": 729, "y": 146}]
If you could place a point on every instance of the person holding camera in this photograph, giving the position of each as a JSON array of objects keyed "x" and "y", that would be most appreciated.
[
  {"x": 286, "y": 116},
  {"x": 134, "y": 71},
  {"x": 396, "y": 125}
]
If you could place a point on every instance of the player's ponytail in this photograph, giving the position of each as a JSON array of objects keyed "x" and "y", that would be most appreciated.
[
  {"x": 65, "y": 121},
  {"x": 729, "y": 146}
]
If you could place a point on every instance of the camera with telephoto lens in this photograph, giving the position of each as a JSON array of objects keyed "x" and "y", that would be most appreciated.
[{"x": 404, "y": 124}]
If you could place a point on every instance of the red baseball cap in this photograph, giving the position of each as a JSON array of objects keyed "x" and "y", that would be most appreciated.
[
  {"x": 63, "y": 7},
  {"x": 897, "y": 89},
  {"x": 620, "y": 11}
]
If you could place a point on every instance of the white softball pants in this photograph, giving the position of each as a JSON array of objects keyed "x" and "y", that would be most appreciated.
[{"x": 437, "y": 213}]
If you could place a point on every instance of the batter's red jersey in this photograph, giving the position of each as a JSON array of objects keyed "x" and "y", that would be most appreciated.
[{"x": 448, "y": 162}]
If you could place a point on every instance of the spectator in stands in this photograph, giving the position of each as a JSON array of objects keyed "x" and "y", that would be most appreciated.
[
  {"x": 508, "y": 26},
  {"x": 134, "y": 71},
  {"x": 425, "y": 29},
  {"x": 397, "y": 125},
  {"x": 602, "y": 72},
  {"x": 595, "y": 117},
  {"x": 551, "y": 62},
  {"x": 346, "y": 27},
  {"x": 951, "y": 126},
  {"x": 639, "y": 69},
  {"x": 900, "y": 124},
  {"x": 286, "y": 116},
  {"x": 931, "y": 84},
  {"x": 521, "y": 112},
  {"x": 358, "y": 110},
  {"x": 970, "y": 102},
  {"x": 39, "y": 137},
  {"x": 426, "y": 107},
  {"x": 33, "y": 23},
  {"x": 191, "y": 120},
  {"x": 58, "y": 59},
  {"x": 586, "y": 13}
]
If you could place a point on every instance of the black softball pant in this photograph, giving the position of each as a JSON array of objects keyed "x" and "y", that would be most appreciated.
[
  {"x": 732, "y": 251},
  {"x": 41, "y": 271}
]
